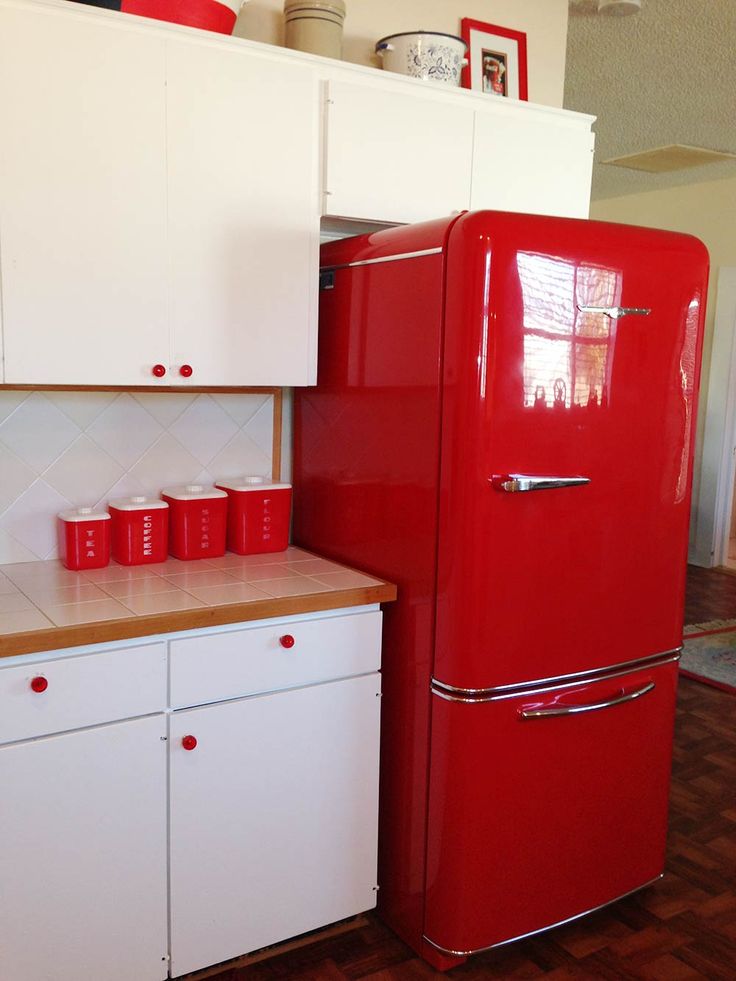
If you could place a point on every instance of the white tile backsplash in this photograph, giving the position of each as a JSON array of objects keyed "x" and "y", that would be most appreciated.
[{"x": 68, "y": 449}]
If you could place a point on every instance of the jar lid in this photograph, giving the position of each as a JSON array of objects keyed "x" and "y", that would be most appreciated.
[
  {"x": 242, "y": 484},
  {"x": 137, "y": 503},
  {"x": 84, "y": 514},
  {"x": 329, "y": 6},
  {"x": 192, "y": 492}
]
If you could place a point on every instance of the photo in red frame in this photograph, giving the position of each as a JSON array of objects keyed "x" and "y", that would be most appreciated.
[{"x": 496, "y": 60}]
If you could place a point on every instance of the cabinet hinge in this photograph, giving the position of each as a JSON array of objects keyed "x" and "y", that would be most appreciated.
[{"x": 163, "y": 738}]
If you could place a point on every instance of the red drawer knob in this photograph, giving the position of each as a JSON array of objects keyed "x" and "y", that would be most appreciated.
[
  {"x": 159, "y": 370},
  {"x": 189, "y": 742},
  {"x": 287, "y": 641},
  {"x": 39, "y": 684},
  {"x": 186, "y": 371}
]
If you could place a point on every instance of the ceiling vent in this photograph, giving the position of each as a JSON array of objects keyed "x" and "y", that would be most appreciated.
[{"x": 664, "y": 159}]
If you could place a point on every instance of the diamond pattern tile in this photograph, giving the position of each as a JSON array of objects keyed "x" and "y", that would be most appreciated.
[
  {"x": 32, "y": 518},
  {"x": 84, "y": 472},
  {"x": 91, "y": 447},
  {"x": 38, "y": 432},
  {"x": 82, "y": 407},
  {"x": 125, "y": 430},
  {"x": 204, "y": 429}
]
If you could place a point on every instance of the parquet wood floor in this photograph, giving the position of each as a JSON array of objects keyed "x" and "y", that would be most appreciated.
[{"x": 681, "y": 928}]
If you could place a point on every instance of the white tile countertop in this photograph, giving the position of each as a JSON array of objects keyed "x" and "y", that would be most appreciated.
[{"x": 39, "y": 599}]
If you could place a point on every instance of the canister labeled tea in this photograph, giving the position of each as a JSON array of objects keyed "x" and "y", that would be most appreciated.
[{"x": 84, "y": 538}]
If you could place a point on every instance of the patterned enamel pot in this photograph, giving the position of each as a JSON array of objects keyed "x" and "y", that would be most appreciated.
[{"x": 424, "y": 54}]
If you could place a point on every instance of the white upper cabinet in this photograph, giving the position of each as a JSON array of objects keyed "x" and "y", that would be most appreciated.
[
  {"x": 161, "y": 191},
  {"x": 532, "y": 159},
  {"x": 243, "y": 156},
  {"x": 82, "y": 199},
  {"x": 395, "y": 156}
]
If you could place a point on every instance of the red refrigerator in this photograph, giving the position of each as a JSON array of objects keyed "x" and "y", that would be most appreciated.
[{"x": 503, "y": 425}]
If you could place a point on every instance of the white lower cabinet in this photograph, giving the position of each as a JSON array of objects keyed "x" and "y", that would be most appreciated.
[
  {"x": 273, "y": 817},
  {"x": 83, "y": 855},
  {"x": 117, "y": 863}
]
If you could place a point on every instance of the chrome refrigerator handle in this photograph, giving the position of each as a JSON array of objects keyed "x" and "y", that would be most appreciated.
[
  {"x": 615, "y": 312},
  {"x": 513, "y": 483},
  {"x": 544, "y": 713}
]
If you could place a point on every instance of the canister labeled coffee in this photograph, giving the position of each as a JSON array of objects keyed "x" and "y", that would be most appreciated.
[{"x": 140, "y": 530}]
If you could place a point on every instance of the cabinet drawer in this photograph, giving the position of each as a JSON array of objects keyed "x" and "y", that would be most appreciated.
[
  {"x": 255, "y": 659},
  {"x": 81, "y": 691}
]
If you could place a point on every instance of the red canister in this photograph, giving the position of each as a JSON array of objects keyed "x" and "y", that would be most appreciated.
[
  {"x": 84, "y": 538},
  {"x": 140, "y": 530},
  {"x": 197, "y": 521},
  {"x": 258, "y": 515}
]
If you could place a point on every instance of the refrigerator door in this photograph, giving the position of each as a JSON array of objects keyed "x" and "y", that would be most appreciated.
[
  {"x": 545, "y": 806},
  {"x": 571, "y": 365}
]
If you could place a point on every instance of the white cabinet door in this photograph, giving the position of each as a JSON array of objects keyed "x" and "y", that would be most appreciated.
[
  {"x": 82, "y": 199},
  {"x": 273, "y": 818},
  {"x": 533, "y": 162},
  {"x": 394, "y": 156},
  {"x": 243, "y": 141},
  {"x": 83, "y": 855}
]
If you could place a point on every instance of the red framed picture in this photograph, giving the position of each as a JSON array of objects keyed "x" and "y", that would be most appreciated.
[{"x": 496, "y": 59}]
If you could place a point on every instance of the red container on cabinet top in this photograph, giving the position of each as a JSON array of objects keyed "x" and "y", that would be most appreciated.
[
  {"x": 197, "y": 521},
  {"x": 140, "y": 530},
  {"x": 258, "y": 515},
  {"x": 84, "y": 538}
]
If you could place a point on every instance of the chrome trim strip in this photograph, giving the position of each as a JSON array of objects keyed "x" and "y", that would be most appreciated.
[
  {"x": 384, "y": 258},
  {"x": 545, "y": 713},
  {"x": 612, "y": 670},
  {"x": 552, "y": 926}
]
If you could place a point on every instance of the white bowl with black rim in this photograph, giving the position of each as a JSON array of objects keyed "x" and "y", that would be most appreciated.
[{"x": 429, "y": 55}]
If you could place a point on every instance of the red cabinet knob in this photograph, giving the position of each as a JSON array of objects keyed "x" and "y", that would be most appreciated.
[
  {"x": 189, "y": 742},
  {"x": 39, "y": 684},
  {"x": 159, "y": 370},
  {"x": 186, "y": 371},
  {"x": 287, "y": 641}
]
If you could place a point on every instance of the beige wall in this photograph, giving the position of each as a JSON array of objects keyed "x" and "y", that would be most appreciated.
[
  {"x": 705, "y": 210},
  {"x": 543, "y": 21}
]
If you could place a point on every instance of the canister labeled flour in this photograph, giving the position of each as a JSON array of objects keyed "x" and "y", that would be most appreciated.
[{"x": 258, "y": 515}]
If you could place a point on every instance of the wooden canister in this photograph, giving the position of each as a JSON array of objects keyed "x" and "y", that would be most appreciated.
[{"x": 315, "y": 26}]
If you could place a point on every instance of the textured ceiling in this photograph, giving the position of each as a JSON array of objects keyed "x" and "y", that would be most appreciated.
[{"x": 665, "y": 75}]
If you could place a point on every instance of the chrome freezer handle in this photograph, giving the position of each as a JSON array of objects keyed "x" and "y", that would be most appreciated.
[
  {"x": 513, "y": 483},
  {"x": 592, "y": 707},
  {"x": 615, "y": 312}
]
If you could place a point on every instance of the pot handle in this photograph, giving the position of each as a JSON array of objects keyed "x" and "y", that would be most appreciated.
[{"x": 385, "y": 46}]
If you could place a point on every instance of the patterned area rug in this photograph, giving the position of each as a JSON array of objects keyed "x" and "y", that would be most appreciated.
[{"x": 709, "y": 653}]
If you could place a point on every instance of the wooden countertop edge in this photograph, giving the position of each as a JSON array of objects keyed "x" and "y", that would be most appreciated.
[{"x": 104, "y": 631}]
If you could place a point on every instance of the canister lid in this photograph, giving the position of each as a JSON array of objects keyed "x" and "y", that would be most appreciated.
[
  {"x": 137, "y": 504},
  {"x": 315, "y": 7},
  {"x": 84, "y": 514},
  {"x": 242, "y": 484},
  {"x": 192, "y": 492}
]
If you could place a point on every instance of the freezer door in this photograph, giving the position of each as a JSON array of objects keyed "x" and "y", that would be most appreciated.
[
  {"x": 571, "y": 364},
  {"x": 545, "y": 806}
]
